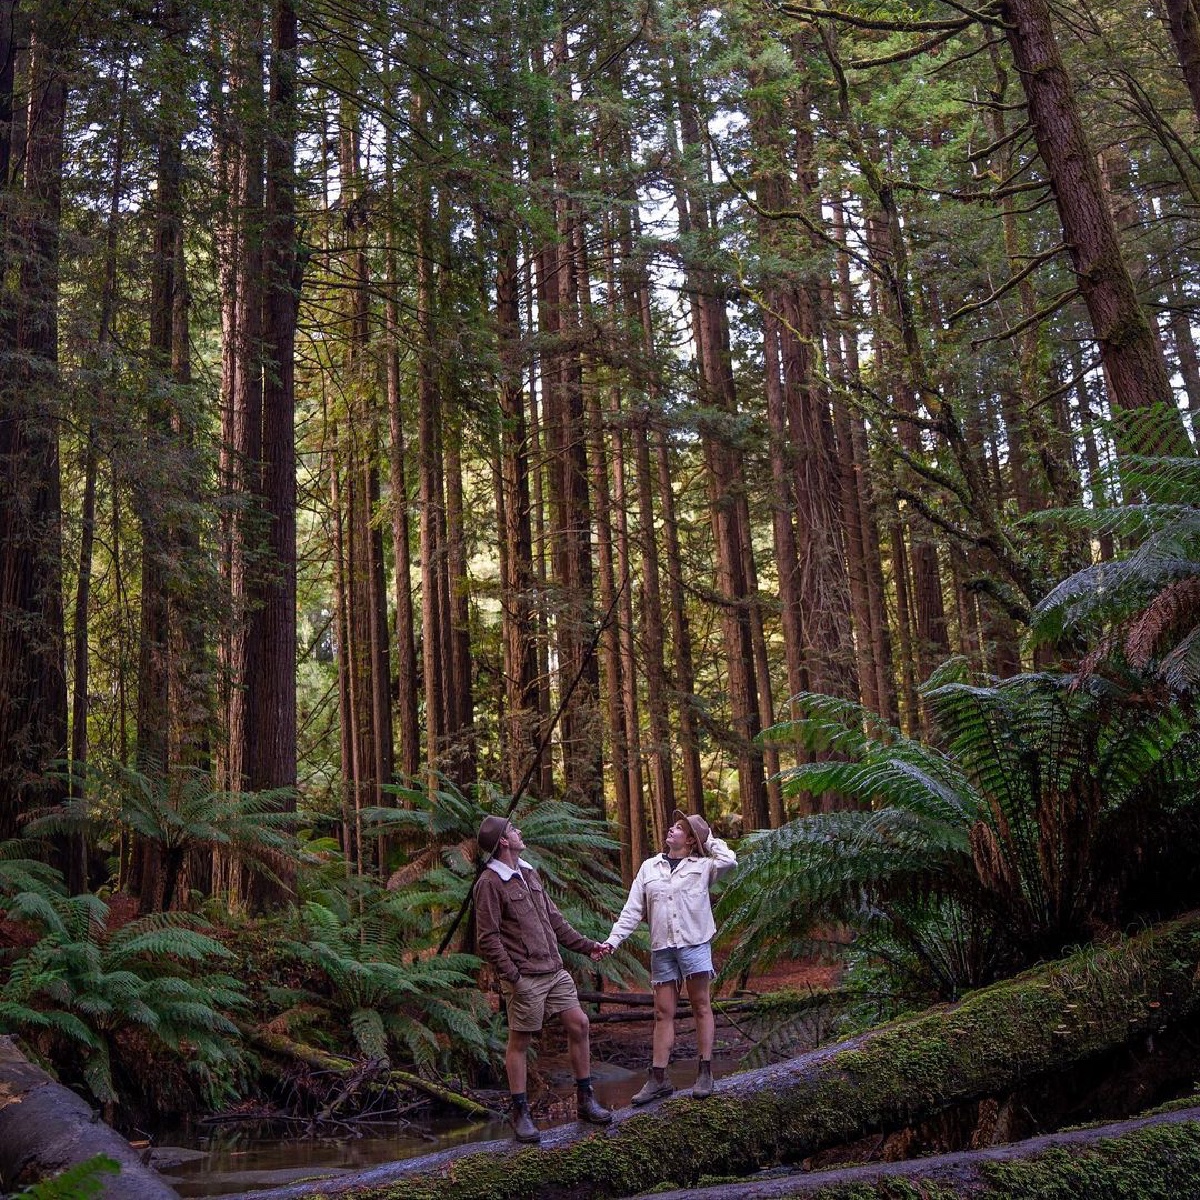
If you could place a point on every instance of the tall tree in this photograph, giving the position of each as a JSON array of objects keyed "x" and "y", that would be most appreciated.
[{"x": 33, "y": 687}]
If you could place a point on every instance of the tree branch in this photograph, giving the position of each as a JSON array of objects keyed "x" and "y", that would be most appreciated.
[
  {"x": 865, "y": 64},
  {"x": 1009, "y": 284},
  {"x": 852, "y": 19},
  {"x": 1033, "y": 318}
]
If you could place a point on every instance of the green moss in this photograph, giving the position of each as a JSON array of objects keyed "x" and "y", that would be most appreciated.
[
  {"x": 1161, "y": 1161},
  {"x": 992, "y": 1041}
]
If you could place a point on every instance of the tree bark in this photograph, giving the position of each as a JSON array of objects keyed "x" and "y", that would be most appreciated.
[
  {"x": 44, "y": 1128},
  {"x": 1183, "y": 20},
  {"x": 912, "y": 1069},
  {"x": 1133, "y": 364},
  {"x": 407, "y": 674},
  {"x": 1148, "y": 1157},
  {"x": 33, "y": 686},
  {"x": 272, "y": 763}
]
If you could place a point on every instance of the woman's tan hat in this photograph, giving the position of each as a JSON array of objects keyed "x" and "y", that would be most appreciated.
[{"x": 699, "y": 827}]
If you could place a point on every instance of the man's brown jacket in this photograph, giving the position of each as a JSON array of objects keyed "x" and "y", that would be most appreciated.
[{"x": 518, "y": 927}]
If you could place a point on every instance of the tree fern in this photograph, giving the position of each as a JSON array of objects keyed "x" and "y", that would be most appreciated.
[
  {"x": 83, "y": 986},
  {"x": 1045, "y": 798},
  {"x": 178, "y": 810},
  {"x": 1143, "y": 608}
]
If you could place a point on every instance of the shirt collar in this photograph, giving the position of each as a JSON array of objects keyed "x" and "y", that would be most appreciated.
[{"x": 505, "y": 871}]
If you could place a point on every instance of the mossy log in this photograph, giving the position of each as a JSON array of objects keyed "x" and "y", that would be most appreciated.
[
  {"x": 322, "y": 1060},
  {"x": 991, "y": 1042},
  {"x": 45, "y": 1128},
  {"x": 1148, "y": 1158}
]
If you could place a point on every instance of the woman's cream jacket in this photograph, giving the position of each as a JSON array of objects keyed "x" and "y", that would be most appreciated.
[{"x": 674, "y": 903}]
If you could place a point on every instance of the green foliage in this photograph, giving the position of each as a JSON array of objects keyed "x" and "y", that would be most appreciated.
[
  {"x": 369, "y": 978},
  {"x": 93, "y": 997},
  {"x": 1050, "y": 804},
  {"x": 178, "y": 811},
  {"x": 368, "y": 957},
  {"x": 571, "y": 849},
  {"x": 83, "y": 1181},
  {"x": 19, "y": 873},
  {"x": 1142, "y": 609}
]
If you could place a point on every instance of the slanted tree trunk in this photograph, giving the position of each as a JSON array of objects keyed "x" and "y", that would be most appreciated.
[
  {"x": 1183, "y": 19},
  {"x": 988, "y": 1044},
  {"x": 45, "y": 1128},
  {"x": 1133, "y": 364}
]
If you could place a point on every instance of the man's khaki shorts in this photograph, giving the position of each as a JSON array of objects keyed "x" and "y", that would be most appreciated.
[{"x": 533, "y": 998}]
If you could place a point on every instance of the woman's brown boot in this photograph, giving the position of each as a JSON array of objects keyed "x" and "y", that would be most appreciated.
[{"x": 656, "y": 1087}]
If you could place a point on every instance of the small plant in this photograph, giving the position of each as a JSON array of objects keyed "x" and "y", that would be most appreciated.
[{"x": 83, "y": 1181}]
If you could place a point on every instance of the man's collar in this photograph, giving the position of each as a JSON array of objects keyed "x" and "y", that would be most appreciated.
[{"x": 505, "y": 871}]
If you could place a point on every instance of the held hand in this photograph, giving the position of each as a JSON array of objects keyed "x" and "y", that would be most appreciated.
[{"x": 601, "y": 951}]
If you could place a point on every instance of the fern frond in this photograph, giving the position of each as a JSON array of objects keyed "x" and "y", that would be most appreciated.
[
  {"x": 367, "y": 1026},
  {"x": 83, "y": 1181}
]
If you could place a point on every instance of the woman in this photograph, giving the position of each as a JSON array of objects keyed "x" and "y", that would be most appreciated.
[{"x": 672, "y": 892}]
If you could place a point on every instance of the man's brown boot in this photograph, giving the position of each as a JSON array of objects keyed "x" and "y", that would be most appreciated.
[
  {"x": 703, "y": 1087},
  {"x": 521, "y": 1119},
  {"x": 656, "y": 1087},
  {"x": 590, "y": 1109}
]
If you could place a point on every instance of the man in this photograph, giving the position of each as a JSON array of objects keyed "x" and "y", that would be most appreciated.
[
  {"x": 671, "y": 891},
  {"x": 518, "y": 931}
]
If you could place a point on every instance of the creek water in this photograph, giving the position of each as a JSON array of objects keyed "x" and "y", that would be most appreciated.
[{"x": 228, "y": 1159}]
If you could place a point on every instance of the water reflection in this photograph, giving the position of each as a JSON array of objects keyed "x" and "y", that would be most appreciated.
[
  {"x": 242, "y": 1157},
  {"x": 260, "y": 1155}
]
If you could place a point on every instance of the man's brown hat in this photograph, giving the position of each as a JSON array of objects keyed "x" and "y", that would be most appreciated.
[
  {"x": 698, "y": 826},
  {"x": 490, "y": 832}
]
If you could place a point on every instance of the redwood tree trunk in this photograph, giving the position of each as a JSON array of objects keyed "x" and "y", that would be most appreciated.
[
  {"x": 33, "y": 687},
  {"x": 1133, "y": 365},
  {"x": 273, "y": 752},
  {"x": 1183, "y": 18}
]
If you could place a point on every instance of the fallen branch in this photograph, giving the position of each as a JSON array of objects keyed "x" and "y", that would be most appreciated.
[{"x": 322, "y": 1060}]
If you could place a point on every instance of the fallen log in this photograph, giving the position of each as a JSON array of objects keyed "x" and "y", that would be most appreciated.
[
  {"x": 1151, "y": 1158},
  {"x": 991, "y": 1042},
  {"x": 45, "y": 1128},
  {"x": 644, "y": 1000},
  {"x": 322, "y": 1060}
]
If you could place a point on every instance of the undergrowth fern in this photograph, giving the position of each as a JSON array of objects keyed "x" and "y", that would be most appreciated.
[{"x": 1048, "y": 804}]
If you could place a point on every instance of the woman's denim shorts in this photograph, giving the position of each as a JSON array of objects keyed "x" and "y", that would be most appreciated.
[{"x": 674, "y": 964}]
